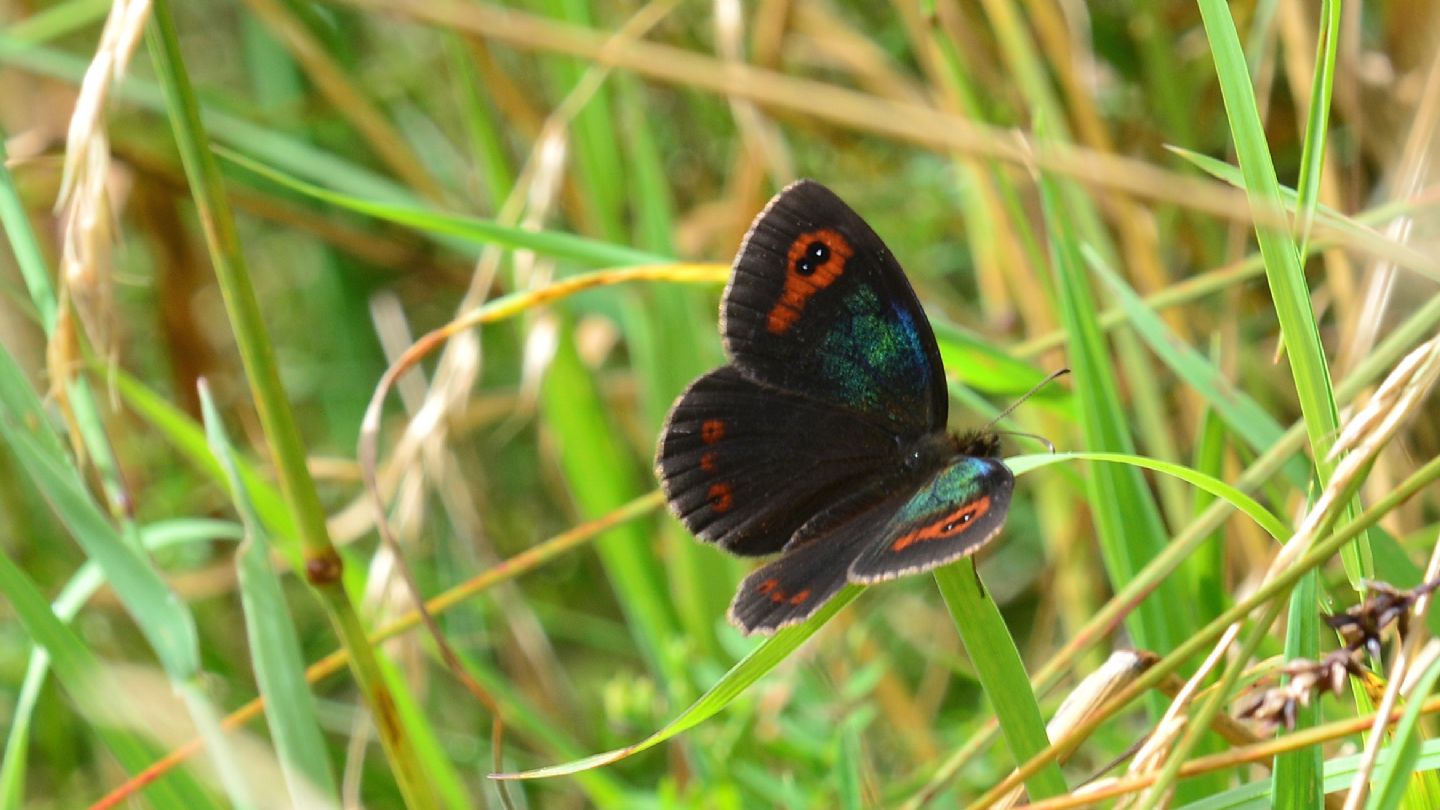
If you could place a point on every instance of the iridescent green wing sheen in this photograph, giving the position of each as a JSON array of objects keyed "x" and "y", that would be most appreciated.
[
  {"x": 819, "y": 307},
  {"x": 961, "y": 509}
]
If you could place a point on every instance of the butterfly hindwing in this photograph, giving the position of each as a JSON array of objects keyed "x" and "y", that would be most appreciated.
[
  {"x": 952, "y": 516},
  {"x": 791, "y": 588},
  {"x": 818, "y": 306},
  {"x": 745, "y": 465}
]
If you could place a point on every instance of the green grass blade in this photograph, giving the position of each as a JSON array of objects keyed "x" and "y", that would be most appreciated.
[
  {"x": 271, "y": 400},
  {"x": 1296, "y": 783},
  {"x": 21, "y": 237},
  {"x": 161, "y": 616},
  {"x": 747, "y": 671},
  {"x": 1297, "y": 775},
  {"x": 1001, "y": 672},
  {"x": 1317, "y": 126},
  {"x": 1290, "y": 295},
  {"x": 1392, "y": 775},
  {"x": 474, "y": 230},
  {"x": 1264, "y": 518},
  {"x": 601, "y": 476},
  {"x": 1126, "y": 516},
  {"x": 274, "y": 647},
  {"x": 188, "y": 437},
  {"x": 73, "y": 596},
  {"x": 78, "y": 671},
  {"x": 1241, "y": 414}
]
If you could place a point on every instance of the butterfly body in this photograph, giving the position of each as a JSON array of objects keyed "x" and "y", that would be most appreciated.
[{"x": 824, "y": 437}]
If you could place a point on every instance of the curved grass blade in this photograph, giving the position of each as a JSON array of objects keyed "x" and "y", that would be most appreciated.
[
  {"x": 591, "y": 252},
  {"x": 749, "y": 670},
  {"x": 1263, "y": 517},
  {"x": 775, "y": 649}
]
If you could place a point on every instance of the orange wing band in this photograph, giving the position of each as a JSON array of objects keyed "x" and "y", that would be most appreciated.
[
  {"x": 948, "y": 526},
  {"x": 799, "y": 288}
]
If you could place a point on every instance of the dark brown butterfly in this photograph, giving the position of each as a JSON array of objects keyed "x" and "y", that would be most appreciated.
[{"x": 824, "y": 437}]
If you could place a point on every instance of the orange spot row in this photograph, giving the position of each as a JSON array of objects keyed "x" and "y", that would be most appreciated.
[
  {"x": 948, "y": 526},
  {"x": 772, "y": 587},
  {"x": 800, "y": 286}
]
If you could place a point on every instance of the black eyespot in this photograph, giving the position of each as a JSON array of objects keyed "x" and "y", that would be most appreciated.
[
  {"x": 965, "y": 518},
  {"x": 816, "y": 254},
  {"x": 949, "y": 527}
]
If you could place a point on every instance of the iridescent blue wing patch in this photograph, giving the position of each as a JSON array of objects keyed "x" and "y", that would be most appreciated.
[
  {"x": 818, "y": 306},
  {"x": 960, "y": 510}
]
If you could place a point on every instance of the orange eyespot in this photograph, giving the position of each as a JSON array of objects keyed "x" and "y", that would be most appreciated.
[
  {"x": 947, "y": 526},
  {"x": 712, "y": 431},
  {"x": 720, "y": 497},
  {"x": 816, "y": 259},
  {"x": 707, "y": 462}
]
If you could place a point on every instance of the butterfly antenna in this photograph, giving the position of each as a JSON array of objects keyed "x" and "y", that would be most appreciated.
[{"x": 1051, "y": 377}]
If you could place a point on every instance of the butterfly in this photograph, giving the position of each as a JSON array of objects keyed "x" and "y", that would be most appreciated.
[{"x": 823, "y": 438}]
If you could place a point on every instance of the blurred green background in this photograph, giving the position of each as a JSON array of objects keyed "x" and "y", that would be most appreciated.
[{"x": 1061, "y": 181}]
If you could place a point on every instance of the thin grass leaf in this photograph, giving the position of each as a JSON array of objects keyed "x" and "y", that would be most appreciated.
[
  {"x": 476, "y": 231},
  {"x": 271, "y": 400},
  {"x": 21, "y": 238},
  {"x": 1393, "y": 772},
  {"x": 771, "y": 652},
  {"x": 1001, "y": 672},
  {"x": 161, "y": 616},
  {"x": 1297, "y": 775},
  {"x": 1252, "y": 508},
  {"x": 78, "y": 672},
  {"x": 1296, "y": 784},
  {"x": 73, "y": 596},
  {"x": 1339, "y": 772},
  {"x": 188, "y": 437},
  {"x": 274, "y": 647},
  {"x": 1127, "y": 519},
  {"x": 1317, "y": 125},
  {"x": 1241, "y": 414}
]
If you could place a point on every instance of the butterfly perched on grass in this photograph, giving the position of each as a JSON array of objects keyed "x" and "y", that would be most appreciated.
[{"x": 823, "y": 438}]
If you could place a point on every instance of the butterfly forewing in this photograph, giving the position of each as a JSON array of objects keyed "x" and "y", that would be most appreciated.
[
  {"x": 818, "y": 306},
  {"x": 744, "y": 465},
  {"x": 953, "y": 516}
]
